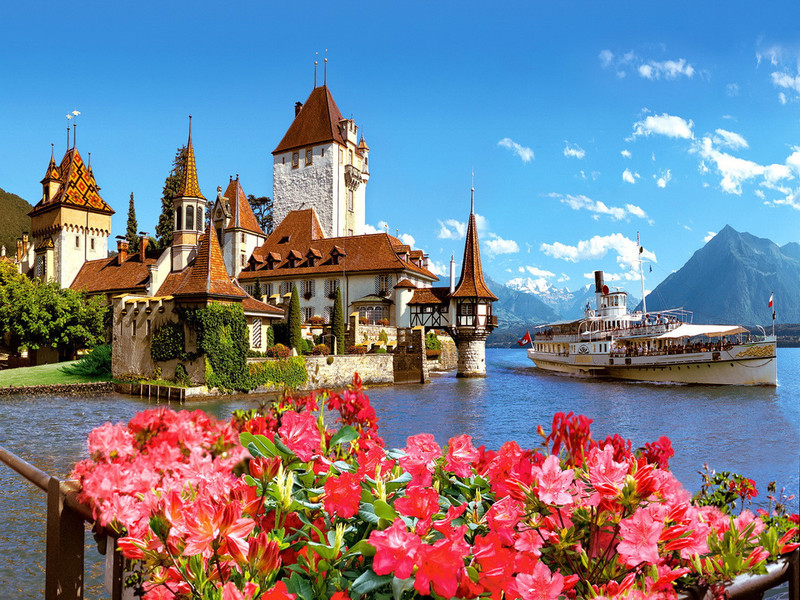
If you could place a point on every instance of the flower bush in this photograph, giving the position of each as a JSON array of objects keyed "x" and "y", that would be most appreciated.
[
  {"x": 318, "y": 512},
  {"x": 278, "y": 351}
]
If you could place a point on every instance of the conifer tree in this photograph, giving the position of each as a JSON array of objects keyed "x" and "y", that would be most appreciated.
[
  {"x": 295, "y": 320},
  {"x": 171, "y": 186},
  {"x": 262, "y": 209},
  {"x": 257, "y": 293},
  {"x": 337, "y": 322},
  {"x": 131, "y": 233}
]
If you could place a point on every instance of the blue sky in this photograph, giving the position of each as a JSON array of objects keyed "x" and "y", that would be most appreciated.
[{"x": 584, "y": 122}]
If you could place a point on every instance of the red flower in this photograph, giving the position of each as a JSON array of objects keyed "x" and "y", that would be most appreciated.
[
  {"x": 343, "y": 495},
  {"x": 395, "y": 550},
  {"x": 300, "y": 434},
  {"x": 460, "y": 455},
  {"x": 440, "y": 567},
  {"x": 278, "y": 592},
  {"x": 420, "y": 502},
  {"x": 421, "y": 452}
]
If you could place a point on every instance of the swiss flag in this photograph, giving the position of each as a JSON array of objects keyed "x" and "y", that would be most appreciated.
[
  {"x": 770, "y": 300},
  {"x": 526, "y": 339}
]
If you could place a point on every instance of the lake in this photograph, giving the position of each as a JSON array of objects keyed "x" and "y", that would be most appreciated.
[{"x": 754, "y": 431}]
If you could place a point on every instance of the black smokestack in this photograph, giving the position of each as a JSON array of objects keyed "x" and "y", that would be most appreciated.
[{"x": 598, "y": 282}]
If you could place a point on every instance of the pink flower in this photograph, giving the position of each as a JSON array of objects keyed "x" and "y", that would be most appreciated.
[
  {"x": 419, "y": 502},
  {"x": 395, "y": 550},
  {"x": 640, "y": 535},
  {"x": 460, "y": 455},
  {"x": 421, "y": 452},
  {"x": 300, "y": 434},
  {"x": 503, "y": 517},
  {"x": 343, "y": 495},
  {"x": 606, "y": 475},
  {"x": 553, "y": 483},
  {"x": 541, "y": 584},
  {"x": 440, "y": 568}
]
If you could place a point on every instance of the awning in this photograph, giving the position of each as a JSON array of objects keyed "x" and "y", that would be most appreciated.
[{"x": 690, "y": 330}]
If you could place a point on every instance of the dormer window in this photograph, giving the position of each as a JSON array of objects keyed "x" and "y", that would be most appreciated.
[
  {"x": 312, "y": 256},
  {"x": 294, "y": 258},
  {"x": 337, "y": 252},
  {"x": 273, "y": 258}
]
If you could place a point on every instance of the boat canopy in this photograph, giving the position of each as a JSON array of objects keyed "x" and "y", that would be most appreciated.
[{"x": 685, "y": 330}]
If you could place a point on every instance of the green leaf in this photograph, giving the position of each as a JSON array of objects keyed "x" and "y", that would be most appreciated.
[
  {"x": 282, "y": 447},
  {"x": 323, "y": 550},
  {"x": 401, "y": 585},
  {"x": 367, "y": 512},
  {"x": 384, "y": 511},
  {"x": 345, "y": 435},
  {"x": 258, "y": 445},
  {"x": 362, "y": 547},
  {"x": 250, "y": 481},
  {"x": 368, "y": 582},
  {"x": 344, "y": 467},
  {"x": 301, "y": 586}
]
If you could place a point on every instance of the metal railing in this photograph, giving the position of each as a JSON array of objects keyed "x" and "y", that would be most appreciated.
[{"x": 64, "y": 554}]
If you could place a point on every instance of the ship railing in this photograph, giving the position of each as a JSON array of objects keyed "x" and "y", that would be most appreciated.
[{"x": 64, "y": 546}]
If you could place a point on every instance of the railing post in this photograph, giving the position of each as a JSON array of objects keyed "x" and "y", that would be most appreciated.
[{"x": 64, "y": 557}]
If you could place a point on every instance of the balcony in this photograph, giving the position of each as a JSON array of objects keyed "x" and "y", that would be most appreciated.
[{"x": 352, "y": 177}]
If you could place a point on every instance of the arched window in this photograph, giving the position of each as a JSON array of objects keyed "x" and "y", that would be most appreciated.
[
  {"x": 178, "y": 219},
  {"x": 190, "y": 217}
]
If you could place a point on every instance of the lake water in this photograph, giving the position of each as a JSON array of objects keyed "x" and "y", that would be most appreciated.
[{"x": 752, "y": 431}]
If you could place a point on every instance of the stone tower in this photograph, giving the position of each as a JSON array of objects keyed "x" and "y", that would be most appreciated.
[
  {"x": 189, "y": 212},
  {"x": 70, "y": 224},
  {"x": 321, "y": 164},
  {"x": 471, "y": 306}
]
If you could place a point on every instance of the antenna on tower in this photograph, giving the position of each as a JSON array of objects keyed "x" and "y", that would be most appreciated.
[
  {"x": 325, "y": 69},
  {"x": 316, "y": 54},
  {"x": 472, "y": 194},
  {"x": 69, "y": 116},
  {"x": 75, "y": 114}
]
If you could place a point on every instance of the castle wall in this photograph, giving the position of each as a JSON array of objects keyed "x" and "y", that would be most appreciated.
[{"x": 306, "y": 186}]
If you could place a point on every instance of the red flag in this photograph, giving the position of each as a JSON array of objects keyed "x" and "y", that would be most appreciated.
[
  {"x": 770, "y": 300},
  {"x": 526, "y": 339}
]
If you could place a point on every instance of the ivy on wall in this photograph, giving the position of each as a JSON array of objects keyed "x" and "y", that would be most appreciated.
[
  {"x": 222, "y": 337},
  {"x": 289, "y": 371},
  {"x": 168, "y": 342}
]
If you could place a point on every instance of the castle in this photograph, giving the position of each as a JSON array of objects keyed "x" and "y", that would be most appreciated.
[{"x": 320, "y": 175}]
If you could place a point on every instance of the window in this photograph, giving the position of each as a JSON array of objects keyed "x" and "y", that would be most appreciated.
[
  {"x": 199, "y": 218},
  {"x": 322, "y": 151},
  {"x": 341, "y": 156},
  {"x": 349, "y": 232},
  {"x": 295, "y": 160},
  {"x": 350, "y": 200},
  {"x": 41, "y": 267},
  {"x": 309, "y": 156},
  {"x": 331, "y": 285},
  {"x": 243, "y": 260},
  {"x": 91, "y": 243},
  {"x": 179, "y": 219},
  {"x": 77, "y": 241},
  {"x": 308, "y": 312},
  {"x": 349, "y": 157},
  {"x": 255, "y": 334},
  {"x": 308, "y": 289},
  {"x": 147, "y": 327},
  {"x": 382, "y": 284},
  {"x": 243, "y": 238},
  {"x": 133, "y": 323},
  {"x": 286, "y": 287},
  {"x": 267, "y": 289},
  {"x": 190, "y": 217},
  {"x": 328, "y": 314}
]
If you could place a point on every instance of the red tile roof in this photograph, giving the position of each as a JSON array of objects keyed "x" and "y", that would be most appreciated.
[
  {"x": 471, "y": 283},
  {"x": 242, "y": 216},
  {"x": 78, "y": 186},
  {"x": 405, "y": 283},
  {"x": 431, "y": 295},
  {"x": 250, "y": 304},
  {"x": 107, "y": 275},
  {"x": 299, "y": 232},
  {"x": 316, "y": 123},
  {"x": 207, "y": 276}
]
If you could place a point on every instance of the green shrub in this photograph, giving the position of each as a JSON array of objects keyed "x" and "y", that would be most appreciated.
[
  {"x": 222, "y": 337},
  {"x": 96, "y": 363},
  {"x": 168, "y": 342},
  {"x": 270, "y": 336},
  {"x": 290, "y": 372},
  {"x": 305, "y": 346},
  {"x": 380, "y": 350},
  {"x": 432, "y": 342},
  {"x": 383, "y": 336},
  {"x": 181, "y": 376},
  {"x": 329, "y": 360}
]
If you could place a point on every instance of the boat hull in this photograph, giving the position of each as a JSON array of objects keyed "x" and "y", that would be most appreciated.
[{"x": 744, "y": 364}]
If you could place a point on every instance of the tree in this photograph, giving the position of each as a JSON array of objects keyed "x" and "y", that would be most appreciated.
[
  {"x": 257, "y": 293},
  {"x": 337, "y": 322},
  {"x": 132, "y": 232},
  {"x": 172, "y": 185},
  {"x": 294, "y": 319},
  {"x": 262, "y": 209}
]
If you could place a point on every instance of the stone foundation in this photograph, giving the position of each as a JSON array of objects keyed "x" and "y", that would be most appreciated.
[{"x": 471, "y": 355}]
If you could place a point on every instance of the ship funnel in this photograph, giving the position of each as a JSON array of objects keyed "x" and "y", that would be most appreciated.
[{"x": 598, "y": 282}]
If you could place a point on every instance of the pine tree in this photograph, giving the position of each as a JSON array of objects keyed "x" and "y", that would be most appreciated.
[
  {"x": 262, "y": 209},
  {"x": 132, "y": 231},
  {"x": 172, "y": 185},
  {"x": 295, "y": 320},
  {"x": 337, "y": 322},
  {"x": 257, "y": 293}
]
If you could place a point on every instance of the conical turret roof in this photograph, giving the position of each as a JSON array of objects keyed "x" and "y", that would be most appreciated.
[
  {"x": 207, "y": 275},
  {"x": 471, "y": 283},
  {"x": 189, "y": 187}
]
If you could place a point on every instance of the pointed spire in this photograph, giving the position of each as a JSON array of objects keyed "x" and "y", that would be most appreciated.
[
  {"x": 471, "y": 284},
  {"x": 52, "y": 169},
  {"x": 189, "y": 187}
]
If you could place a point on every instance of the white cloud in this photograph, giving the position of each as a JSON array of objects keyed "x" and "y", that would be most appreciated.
[
  {"x": 581, "y": 202},
  {"x": 573, "y": 151},
  {"x": 497, "y": 245},
  {"x": 451, "y": 229},
  {"x": 668, "y": 125},
  {"x": 735, "y": 170},
  {"x": 440, "y": 269},
  {"x": 786, "y": 81},
  {"x": 664, "y": 178},
  {"x": 729, "y": 139},
  {"x": 626, "y": 153},
  {"x": 408, "y": 239},
  {"x": 709, "y": 235},
  {"x": 606, "y": 57},
  {"x": 526, "y": 154},
  {"x": 627, "y": 250},
  {"x": 668, "y": 69},
  {"x": 629, "y": 177},
  {"x": 732, "y": 89},
  {"x": 536, "y": 271},
  {"x": 381, "y": 228}
]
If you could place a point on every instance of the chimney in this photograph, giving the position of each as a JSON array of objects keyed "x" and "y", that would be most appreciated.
[
  {"x": 143, "y": 241},
  {"x": 598, "y": 282},
  {"x": 3, "y": 250},
  {"x": 297, "y": 107},
  {"x": 19, "y": 249},
  {"x": 452, "y": 273},
  {"x": 24, "y": 243},
  {"x": 122, "y": 251}
]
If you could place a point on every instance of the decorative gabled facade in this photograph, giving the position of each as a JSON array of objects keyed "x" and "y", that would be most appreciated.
[
  {"x": 371, "y": 271},
  {"x": 69, "y": 225},
  {"x": 320, "y": 163},
  {"x": 236, "y": 226}
]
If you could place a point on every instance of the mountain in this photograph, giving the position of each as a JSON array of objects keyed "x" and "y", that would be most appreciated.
[
  {"x": 730, "y": 279},
  {"x": 516, "y": 309},
  {"x": 15, "y": 220},
  {"x": 568, "y": 304}
]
